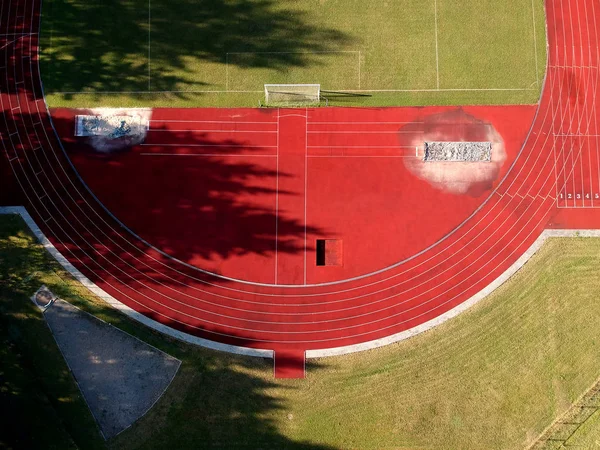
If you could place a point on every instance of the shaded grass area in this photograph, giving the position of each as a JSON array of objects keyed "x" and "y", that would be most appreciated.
[
  {"x": 41, "y": 403},
  {"x": 495, "y": 377},
  {"x": 160, "y": 53}
]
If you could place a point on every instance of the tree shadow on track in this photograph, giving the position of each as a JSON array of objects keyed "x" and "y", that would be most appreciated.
[
  {"x": 100, "y": 46},
  {"x": 215, "y": 213},
  {"x": 216, "y": 400}
]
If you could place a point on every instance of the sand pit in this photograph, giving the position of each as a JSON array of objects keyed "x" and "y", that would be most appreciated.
[{"x": 470, "y": 177}]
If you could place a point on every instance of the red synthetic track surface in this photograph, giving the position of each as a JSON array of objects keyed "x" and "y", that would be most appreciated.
[
  {"x": 248, "y": 196},
  {"x": 551, "y": 178}
]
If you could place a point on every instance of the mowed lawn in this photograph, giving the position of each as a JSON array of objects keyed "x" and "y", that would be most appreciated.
[
  {"x": 493, "y": 378},
  {"x": 222, "y": 52}
]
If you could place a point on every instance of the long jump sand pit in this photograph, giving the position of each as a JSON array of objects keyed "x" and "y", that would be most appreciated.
[
  {"x": 472, "y": 167},
  {"x": 119, "y": 376}
]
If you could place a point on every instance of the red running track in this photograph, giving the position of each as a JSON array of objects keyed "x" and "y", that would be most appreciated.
[{"x": 551, "y": 180}]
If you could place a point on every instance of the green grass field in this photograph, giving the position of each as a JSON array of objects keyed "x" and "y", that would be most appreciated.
[
  {"x": 222, "y": 52},
  {"x": 493, "y": 378}
]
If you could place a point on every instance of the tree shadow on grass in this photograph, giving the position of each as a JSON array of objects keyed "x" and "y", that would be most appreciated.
[
  {"x": 103, "y": 46},
  {"x": 217, "y": 400}
]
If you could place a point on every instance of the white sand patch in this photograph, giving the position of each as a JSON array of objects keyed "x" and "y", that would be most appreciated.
[{"x": 112, "y": 129}]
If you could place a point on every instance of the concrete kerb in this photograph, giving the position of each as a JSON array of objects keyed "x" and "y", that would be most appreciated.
[{"x": 265, "y": 353}]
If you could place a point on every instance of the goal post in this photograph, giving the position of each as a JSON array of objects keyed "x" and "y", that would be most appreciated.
[{"x": 292, "y": 94}]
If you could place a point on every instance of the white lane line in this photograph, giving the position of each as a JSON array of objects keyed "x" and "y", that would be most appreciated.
[
  {"x": 149, "y": 29},
  {"x": 305, "y": 186},
  {"x": 209, "y": 154},
  {"x": 209, "y": 145}
]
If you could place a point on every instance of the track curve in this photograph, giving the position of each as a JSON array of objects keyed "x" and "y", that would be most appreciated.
[{"x": 302, "y": 318}]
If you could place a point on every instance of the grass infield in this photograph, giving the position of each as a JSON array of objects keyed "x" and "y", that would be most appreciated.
[
  {"x": 222, "y": 52},
  {"x": 494, "y": 377}
]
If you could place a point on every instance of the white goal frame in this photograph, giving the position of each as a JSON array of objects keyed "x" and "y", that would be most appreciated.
[{"x": 292, "y": 93}]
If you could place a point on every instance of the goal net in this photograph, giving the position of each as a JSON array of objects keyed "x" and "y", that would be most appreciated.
[{"x": 292, "y": 94}]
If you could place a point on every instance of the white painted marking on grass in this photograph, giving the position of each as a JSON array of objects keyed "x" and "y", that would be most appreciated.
[
  {"x": 229, "y": 155},
  {"x": 437, "y": 55},
  {"x": 440, "y": 90},
  {"x": 460, "y": 308},
  {"x": 206, "y": 91},
  {"x": 537, "y": 70},
  {"x": 191, "y": 91}
]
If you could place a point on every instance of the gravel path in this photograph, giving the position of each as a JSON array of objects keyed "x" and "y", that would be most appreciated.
[{"x": 120, "y": 376}]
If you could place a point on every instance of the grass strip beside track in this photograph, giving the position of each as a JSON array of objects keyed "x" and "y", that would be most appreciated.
[{"x": 495, "y": 377}]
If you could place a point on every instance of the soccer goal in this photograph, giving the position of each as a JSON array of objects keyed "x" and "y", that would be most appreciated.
[{"x": 292, "y": 94}]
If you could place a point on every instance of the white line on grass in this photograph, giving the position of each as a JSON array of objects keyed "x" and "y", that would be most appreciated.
[
  {"x": 151, "y": 92},
  {"x": 537, "y": 72},
  {"x": 437, "y": 55}
]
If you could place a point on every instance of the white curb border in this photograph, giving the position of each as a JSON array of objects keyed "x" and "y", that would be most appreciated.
[
  {"x": 264, "y": 353},
  {"x": 21, "y": 211}
]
